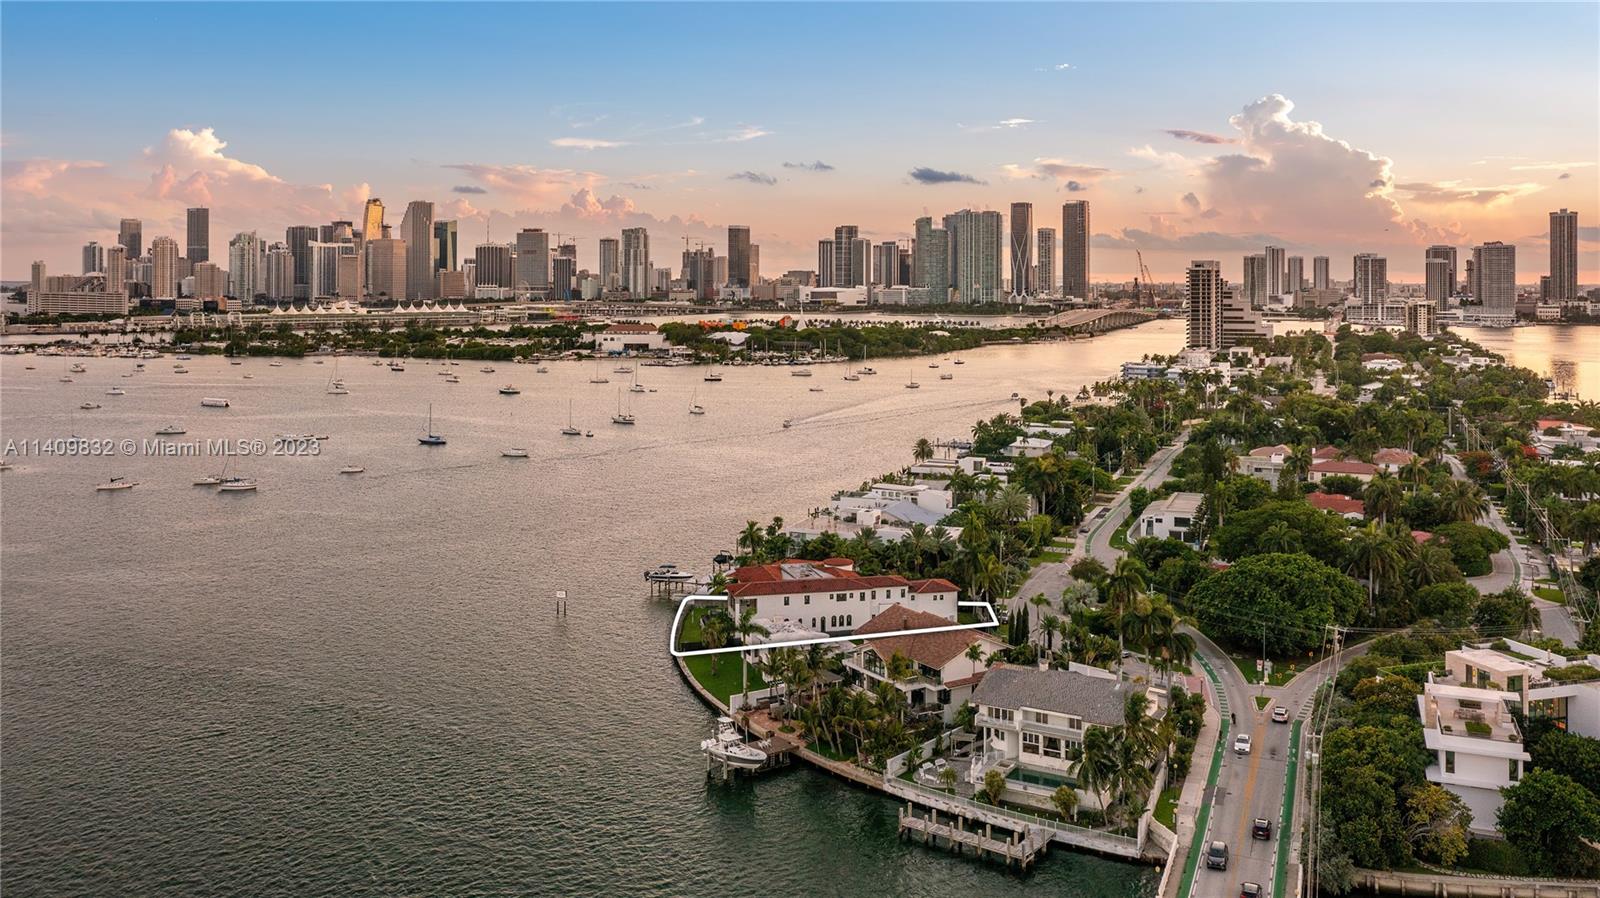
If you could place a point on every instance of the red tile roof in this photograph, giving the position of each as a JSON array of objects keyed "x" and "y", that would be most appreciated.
[
  {"x": 930, "y": 649},
  {"x": 1336, "y": 503},
  {"x": 1270, "y": 451},
  {"x": 934, "y": 585},
  {"x": 812, "y": 585},
  {"x": 1392, "y": 456},
  {"x": 1343, "y": 467},
  {"x": 1325, "y": 452}
]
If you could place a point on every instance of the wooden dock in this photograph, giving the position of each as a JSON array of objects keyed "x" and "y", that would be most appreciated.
[{"x": 1022, "y": 846}]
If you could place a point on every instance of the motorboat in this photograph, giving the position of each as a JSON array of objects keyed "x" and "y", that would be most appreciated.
[
  {"x": 66, "y": 380},
  {"x": 667, "y": 573},
  {"x": 396, "y": 367},
  {"x": 947, "y": 376},
  {"x": 541, "y": 370},
  {"x": 249, "y": 377},
  {"x": 89, "y": 406},
  {"x": 713, "y": 378},
  {"x": 452, "y": 379},
  {"x": 622, "y": 369},
  {"x": 237, "y": 485},
  {"x": 337, "y": 388},
  {"x": 180, "y": 370},
  {"x": 787, "y": 423},
  {"x": 816, "y": 389},
  {"x": 430, "y": 438},
  {"x": 588, "y": 433},
  {"x": 509, "y": 390},
  {"x": 868, "y": 371},
  {"x": 636, "y": 388},
  {"x": 235, "y": 362},
  {"x": 513, "y": 452},
  {"x": 115, "y": 483},
  {"x": 729, "y": 748},
  {"x": 213, "y": 402},
  {"x": 800, "y": 372},
  {"x": 852, "y": 377},
  {"x": 182, "y": 358},
  {"x": 352, "y": 469},
  {"x": 487, "y": 369},
  {"x": 958, "y": 362},
  {"x": 269, "y": 364},
  {"x": 933, "y": 364},
  {"x": 77, "y": 368},
  {"x": 170, "y": 430}
]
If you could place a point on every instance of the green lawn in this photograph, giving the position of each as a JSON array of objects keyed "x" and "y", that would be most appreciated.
[
  {"x": 1119, "y": 538},
  {"x": 1262, "y": 701},
  {"x": 1167, "y": 807},
  {"x": 1282, "y": 672},
  {"x": 1550, "y": 594},
  {"x": 725, "y": 681},
  {"x": 1048, "y": 557}
]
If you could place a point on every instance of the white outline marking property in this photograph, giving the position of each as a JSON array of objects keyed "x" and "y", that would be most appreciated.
[{"x": 677, "y": 620}]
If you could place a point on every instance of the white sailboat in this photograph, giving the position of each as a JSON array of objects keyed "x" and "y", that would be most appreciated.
[
  {"x": 431, "y": 438},
  {"x": 598, "y": 377},
  {"x": 912, "y": 383},
  {"x": 622, "y": 417},
  {"x": 695, "y": 408},
  {"x": 237, "y": 485},
  {"x": 115, "y": 483},
  {"x": 636, "y": 387},
  {"x": 714, "y": 376},
  {"x": 352, "y": 469},
  {"x": 335, "y": 385},
  {"x": 569, "y": 430}
]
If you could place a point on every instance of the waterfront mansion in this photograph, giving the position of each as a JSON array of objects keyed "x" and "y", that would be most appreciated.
[{"x": 829, "y": 596}]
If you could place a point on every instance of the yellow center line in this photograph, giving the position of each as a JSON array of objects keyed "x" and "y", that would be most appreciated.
[{"x": 1249, "y": 788}]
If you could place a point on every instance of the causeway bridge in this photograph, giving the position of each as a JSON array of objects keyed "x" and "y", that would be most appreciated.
[{"x": 1097, "y": 321}]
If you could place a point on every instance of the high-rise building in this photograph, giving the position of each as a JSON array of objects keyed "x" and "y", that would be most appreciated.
[
  {"x": 210, "y": 282},
  {"x": 886, "y": 264},
  {"x": 825, "y": 263},
  {"x": 1370, "y": 278},
  {"x": 849, "y": 257},
  {"x": 1447, "y": 254},
  {"x": 1045, "y": 266},
  {"x": 130, "y": 235},
  {"x": 1255, "y": 280},
  {"x": 444, "y": 245},
  {"x": 1494, "y": 269},
  {"x": 1436, "y": 281},
  {"x": 1295, "y": 274},
  {"x": 610, "y": 263},
  {"x": 563, "y": 276},
  {"x": 199, "y": 234},
  {"x": 931, "y": 261},
  {"x": 372, "y": 221},
  {"x": 755, "y": 264},
  {"x": 1422, "y": 316},
  {"x": 1075, "y": 249},
  {"x": 636, "y": 269},
  {"x": 279, "y": 280},
  {"x": 493, "y": 261},
  {"x": 1022, "y": 273},
  {"x": 247, "y": 267},
  {"x": 1241, "y": 322},
  {"x": 299, "y": 239},
  {"x": 1205, "y": 304},
  {"x": 116, "y": 270},
  {"x": 416, "y": 229},
  {"x": 164, "y": 277},
  {"x": 386, "y": 268},
  {"x": 94, "y": 258},
  {"x": 1275, "y": 272},
  {"x": 739, "y": 256},
  {"x": 533, "y": 260},
  {"x": 1319, "y": 273},
  {"x": 976, "y": 243},
  {"x": 1563, "y": 256},
  {"x": 325, "y": 268}
]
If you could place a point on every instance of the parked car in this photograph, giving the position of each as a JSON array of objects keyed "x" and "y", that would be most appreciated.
[
  {"x": 1261, "y": 828},
  {"x": 1241, "y": 743},
  {"x": 1249, "y": 890},
  {"x": 1280, "y": 714},
  {"x": 1217, "y": 856}
]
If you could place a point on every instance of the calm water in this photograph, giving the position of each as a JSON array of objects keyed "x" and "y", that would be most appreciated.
[
  {"x": 1568, "y": 353},
  {"x": 355, "y": 685}
]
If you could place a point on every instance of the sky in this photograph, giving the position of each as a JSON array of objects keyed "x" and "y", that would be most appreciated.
[{"x": 1194, "y": 130}]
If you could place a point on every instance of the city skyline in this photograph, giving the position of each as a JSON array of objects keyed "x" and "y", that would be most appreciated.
[{"x": 1179, "y": 170}]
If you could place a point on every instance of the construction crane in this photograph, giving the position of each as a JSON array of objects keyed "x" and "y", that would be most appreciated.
[{"x": 1143, "y": 292}]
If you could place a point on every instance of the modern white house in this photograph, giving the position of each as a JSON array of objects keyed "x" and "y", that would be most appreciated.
[
  {"x": 944, "y": 675},
  {"x": 1550, "y": 433},
  {"x": 1171, "y": 518},
  {"x": 1469, "y": 716},
  {"x": 1029, "y": 447},
  {"x": 829, "y": 596},
  {"x": 621, "y": 339}
]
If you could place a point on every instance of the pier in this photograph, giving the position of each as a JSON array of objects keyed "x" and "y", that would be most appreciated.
[{"x": 1022, "y": 846}]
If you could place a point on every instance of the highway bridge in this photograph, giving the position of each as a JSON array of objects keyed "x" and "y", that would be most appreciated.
[{"x": 1097, "y": 321}]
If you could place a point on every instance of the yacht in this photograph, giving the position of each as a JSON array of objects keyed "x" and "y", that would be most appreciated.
[
  {"x": 569, "y": 430},
  {"x": 237, "y": 485},
  {"x": 800, "y": 371},
  {"x": 182, "y": 358},
  {"x": 695, "y": 408},
  {"x": 729, "y": 748},
  {"x": 89, "y": 406},
  {"x": 116, "y": 483},
  {"x": 667, "y": 573},
  {"x": 933, "y": 364},
  {"x": 622, "y": 369},
  {"x": 170, "y": 430},
  {"x": 513, "y": 453},
  {"x": 269, "y": 364},
  {"x": 713, "y": 377},
  {"x": 213, "y": 402},
  {"x": 396, "y": 367},
  {"x": 487, "y": 369},
  {"x": 431, "y": 438},
  {"x": 352, "y": 469},
  {"x": 209, "y": 480},
  {"x": 947, "y": 376},
  {"x": 598, "y": 379},
  {"x": 912, "y": 383},
  {"x": 116, "y": 391},
  {"x": 958, "y": 362},
  {"x": 509, "y": 390}
]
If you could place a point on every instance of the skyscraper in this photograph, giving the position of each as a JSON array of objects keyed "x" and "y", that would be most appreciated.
[
  {"x": 1294, "y": 274},
  {"x": 1255, "y": 280},
  {"x": 975, "y": 246},
  {"x": 1022, "y": 273},
  {"x": 116, "y": 269},
  {"x": 199, "y": 234},
  {"x": 1275, "y": 272},
  {"x": 1075, "y": 249},
  {"x": 931, "y": 261},
  {"x": 416, "y": 229},
  {"x": 164, "y": 276},
  {"x": 444, "y": 245},
  {"x": 1045, "y": 266},
  {"x": 1319, "y": 273},
  {"x": 1436, "y": 281},
  {"x": 563, "y": 274},
  {"x": 493, "y": 261},
  {"x": 1447, "y": 254},
  {"x": 610, "y": 263},
  {"x": 1205, "y": 304},
  {"x": 738, "y": 256},
  {"x": 533, "y": 259},
  {"x": 130, "y": 235},
  {"x": 279, "y": 280},
  {"x": 94, "y": 258},
  {"x": 1563, "y": 256},
  {"x": 299, "y": 239},
  {"x": 886, "y": 264},
  {"x": 636, "y": 262},
  {"x": 1494, "y": 269},
  {"x": 849, "y": 257},
  {"x": 1370, "y": 277},
  {"x": 386, "y": 268},
  {"x": 825, "y": 263},
  {"x": 247, "y": 267},
  {"x": 372, "y": 220}
]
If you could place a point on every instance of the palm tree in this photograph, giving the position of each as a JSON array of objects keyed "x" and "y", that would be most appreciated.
[
  {"x": 1585, "y": 525},
  {"x": 1279, "y": 537},
  {"x": 1374, "y": 555},
  {"x": 1127, "y": 582},
  {"x": 1297, "y": 464},
  {"x": 923, "y": 450},
  {"x": 1382, "y": 496},
  {"x": 715, "y": 627},
  {"x": 1415, "y": 472},
  {"x": 751, "y": 540},
  {"x": 745, "y": 628},
  {"x": 1432, "y": 564},
  {"x": 1464, "y": 501},
  {"x": 1097, "y": 769},
  {"x": 1010, "y": 504}
]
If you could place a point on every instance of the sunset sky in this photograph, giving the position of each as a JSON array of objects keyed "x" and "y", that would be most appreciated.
[{"x": 1196, "y": 131}]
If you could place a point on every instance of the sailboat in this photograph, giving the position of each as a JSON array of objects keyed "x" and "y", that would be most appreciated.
[
  {"x": 431, "y": 439},
  {"x": 621, "y": 417},
  {"x": 912, "y": 384},
  {"x": 713, "y": 376},
  {"x": 509, "y": 390},
  {"x": 569, "y": 430},
  {"x": 598, "y": 378},
  {"x": 695, "y": 408},
  {"x": 335, "y": 385},
  {"x": 636, "y": 387},
  {"x": 116, "y": 483}
]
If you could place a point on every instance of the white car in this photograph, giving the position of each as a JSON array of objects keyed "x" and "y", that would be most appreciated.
[
  {"x": 1241, "y": 744},
  {"x": 1280, "y": 714}
]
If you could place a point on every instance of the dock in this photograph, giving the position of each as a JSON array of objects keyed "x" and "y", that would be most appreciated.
[{"x": 1022, "y": 846}]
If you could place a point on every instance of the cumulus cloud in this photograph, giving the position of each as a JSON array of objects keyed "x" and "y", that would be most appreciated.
[
  {"x": 528, "y": 185},
  {"x": 1440, "y": 192},
  {"x": 924, "y": 175},
  {"x": 587, "y": 143},
  {"x": 468, "y": 188},
  {"x": 1074, "y": 186},
  {"x": 1160, "y": 238},
  {"x": 1197, "y": 136},
  {"x": 1192, "y": 201},
  {"x": 754, "y": 177}
]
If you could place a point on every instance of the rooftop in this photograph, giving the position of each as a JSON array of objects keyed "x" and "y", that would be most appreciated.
[
  {"x": 928, "y": 649},
  {"x": 1176, "y": 504},
  {"x": 1344, "y": 467},
  {"x": 1094, "y": 699},
  {"x": 1337, "y": 503}
]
